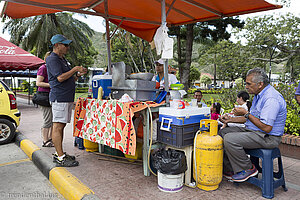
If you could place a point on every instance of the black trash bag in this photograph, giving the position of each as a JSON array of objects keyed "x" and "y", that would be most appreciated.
[{"x": 171, "y": 162}]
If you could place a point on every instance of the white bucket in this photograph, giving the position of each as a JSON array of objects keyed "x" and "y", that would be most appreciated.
[{"x": 170, "y": 183}]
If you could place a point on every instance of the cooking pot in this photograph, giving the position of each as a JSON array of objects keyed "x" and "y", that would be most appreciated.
[
  {"x": 142, "y": 76},
  {"x": 175, "y": 94}
]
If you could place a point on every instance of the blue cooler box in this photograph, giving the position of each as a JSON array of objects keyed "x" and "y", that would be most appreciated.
[
  {"x": 177, "y": 127},
  {"x": 104, "y": 81}
]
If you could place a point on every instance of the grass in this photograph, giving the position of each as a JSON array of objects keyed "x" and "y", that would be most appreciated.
[
  {"x": 77, "y": 95},
  {"x": 83, "y": 95}
]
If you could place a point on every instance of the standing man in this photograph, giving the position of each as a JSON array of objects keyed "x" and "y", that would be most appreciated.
[
  {"x": 159, "y": 78},
  {"x": 198, "y": 95},
  {"x": 298, "y": 93},
  {"x": 264, "y": 126},
  {"x": 62, "y": 83}
]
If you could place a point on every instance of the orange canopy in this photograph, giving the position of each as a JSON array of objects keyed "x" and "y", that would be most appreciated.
[{"x": 140, "y": 17}]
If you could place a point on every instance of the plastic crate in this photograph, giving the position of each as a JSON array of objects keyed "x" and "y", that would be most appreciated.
[
  {"x": 179, "y": 135},
  {"x": 111, "y": 151}
]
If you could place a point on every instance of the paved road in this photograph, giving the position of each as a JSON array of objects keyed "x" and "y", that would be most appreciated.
[{"x": 20, "y": 178}]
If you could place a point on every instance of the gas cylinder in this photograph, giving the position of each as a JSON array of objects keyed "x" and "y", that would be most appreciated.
[
  {"x": 208, "y": 152},
  {"x": 100, "y": 93},
  {"x": 90, "y": 146}
]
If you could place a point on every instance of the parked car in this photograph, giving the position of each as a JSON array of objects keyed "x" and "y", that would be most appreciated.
[
  {"x": 9, "y": 114},
  {"x": 212, "y": 86},
  {"x": 196, "y": 86}
]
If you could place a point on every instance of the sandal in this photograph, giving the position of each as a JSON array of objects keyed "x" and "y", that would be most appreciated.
[{"x": 48, "y": 143}]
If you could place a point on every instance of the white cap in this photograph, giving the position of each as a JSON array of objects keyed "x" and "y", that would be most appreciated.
[{"x": 160, "y": 61}]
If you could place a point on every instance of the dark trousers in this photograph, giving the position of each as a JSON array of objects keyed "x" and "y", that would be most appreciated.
[{"x": 236, "y": 139}]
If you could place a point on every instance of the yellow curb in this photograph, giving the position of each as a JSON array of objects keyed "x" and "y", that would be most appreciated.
[
  {"x": 67, "y": 184},
  {"x": 28, "y": 147},
  {"x": 14, "y": 162}
]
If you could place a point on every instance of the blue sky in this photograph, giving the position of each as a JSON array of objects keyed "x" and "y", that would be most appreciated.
[{"x": 96, "y": 23}]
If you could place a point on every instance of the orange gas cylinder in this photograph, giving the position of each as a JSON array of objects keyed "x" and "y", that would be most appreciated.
[{"x": 208, "y": 155}]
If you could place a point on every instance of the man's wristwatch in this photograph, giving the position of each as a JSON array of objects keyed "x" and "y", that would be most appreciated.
[{"x": 247, "y": 115}]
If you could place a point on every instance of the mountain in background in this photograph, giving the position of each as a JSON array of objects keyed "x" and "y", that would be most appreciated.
[{"x": 99, "y": 43}]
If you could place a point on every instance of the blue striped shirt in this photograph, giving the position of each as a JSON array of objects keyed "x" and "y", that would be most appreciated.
[{"x": 270, "y": 107}]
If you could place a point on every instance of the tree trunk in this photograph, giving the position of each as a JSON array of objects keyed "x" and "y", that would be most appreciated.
[
  {"x": 179, "y": 52},
  {"x": 188, "y": 56},
  {"x": 215, "y": 70}
]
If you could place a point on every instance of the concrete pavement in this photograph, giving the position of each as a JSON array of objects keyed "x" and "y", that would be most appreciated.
[
  {"x": 114, "y": 180},
  {"x": 21, "y": 179}
]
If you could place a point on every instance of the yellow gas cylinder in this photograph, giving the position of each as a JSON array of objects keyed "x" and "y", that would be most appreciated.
[
  {"x": 90, "y": 146},
  {"x": 100, "y": 93},
  {"x": 208, "y": 156}
]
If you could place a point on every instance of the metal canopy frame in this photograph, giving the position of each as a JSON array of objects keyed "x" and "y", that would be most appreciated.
[{"x": 93, "y": 3}]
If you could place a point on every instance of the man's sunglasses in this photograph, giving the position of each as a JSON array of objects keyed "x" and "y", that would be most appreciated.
[{"x": 66, "y": 45}]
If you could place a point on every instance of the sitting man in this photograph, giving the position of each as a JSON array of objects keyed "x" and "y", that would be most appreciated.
[
  {"x": 264, "y": 126},
  {"x": 198, "y": 95}
]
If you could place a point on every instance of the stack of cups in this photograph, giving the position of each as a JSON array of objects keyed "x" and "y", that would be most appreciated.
[{"x": 194, "y": 102}]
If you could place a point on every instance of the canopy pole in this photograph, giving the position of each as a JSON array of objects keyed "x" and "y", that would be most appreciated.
[
  {"x": 29, "y": 89},
  {"x": 107, "y": 37},
  {"x": 166, "y": 76}
]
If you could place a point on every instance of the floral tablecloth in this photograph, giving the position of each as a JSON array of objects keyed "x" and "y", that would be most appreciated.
[{"x": 108, "y": 122}]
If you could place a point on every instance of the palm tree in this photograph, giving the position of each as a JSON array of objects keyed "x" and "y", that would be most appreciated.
[{"x": 34, "y": 33}]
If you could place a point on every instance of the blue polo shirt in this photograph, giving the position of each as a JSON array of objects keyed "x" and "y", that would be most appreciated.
[
  {"x": 270, "y": 107},
  {"x": 60, "y": 91}
]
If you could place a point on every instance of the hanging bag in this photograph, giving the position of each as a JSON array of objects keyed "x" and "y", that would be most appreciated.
[{"x": 41, "y": 98}]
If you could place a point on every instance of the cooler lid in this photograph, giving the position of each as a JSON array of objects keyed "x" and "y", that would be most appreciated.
[
  {"x": 100, "y": 77},
  {"x": 189, "y": 111}
]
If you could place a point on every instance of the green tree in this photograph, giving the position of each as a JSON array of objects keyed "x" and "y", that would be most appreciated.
[
  {"x": 201, "y": 32},
  {"x": 132, "y": 50},
  {"x": 274, "y": 40},
  {"x": 34, "y": 34},
  {"x": 205, "y": 80},
  {"x": 194, "y": 74},
  {"x": 239, "y": 82},
  {"x": 230, "y": 59}
]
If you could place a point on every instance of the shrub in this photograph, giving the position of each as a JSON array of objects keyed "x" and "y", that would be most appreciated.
[
  {"x": 229, "y": 97},
  {"x": 81, "y": 90},
  {"x": 292, "y": 124}
]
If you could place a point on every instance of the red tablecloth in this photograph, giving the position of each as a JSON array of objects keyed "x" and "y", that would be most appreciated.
[{"x": 108, "y": 122}]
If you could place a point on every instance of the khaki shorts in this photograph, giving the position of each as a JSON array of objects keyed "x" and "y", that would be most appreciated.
[
  {"x": 47, "y": 116},
  {"x": 62, "y": 111}
]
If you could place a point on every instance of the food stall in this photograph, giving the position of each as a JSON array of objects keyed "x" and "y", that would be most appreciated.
[
  {"x": 109, "y": 122},
  {"x": 142, "y": 18}
]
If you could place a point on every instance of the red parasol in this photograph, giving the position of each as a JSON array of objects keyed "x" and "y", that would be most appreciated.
[{"x": 13, "y": 57}]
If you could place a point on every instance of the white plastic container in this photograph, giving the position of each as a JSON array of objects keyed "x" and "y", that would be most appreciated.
[{"x": 170, "y": 183}]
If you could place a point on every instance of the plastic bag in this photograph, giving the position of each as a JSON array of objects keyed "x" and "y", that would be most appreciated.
[
  {"x": 171, "y": 162},
  {"x": 126, "y": 98}
]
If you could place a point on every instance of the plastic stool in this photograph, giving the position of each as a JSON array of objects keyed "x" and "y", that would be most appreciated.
[
  {"x": 267, "y": 183},
  {"x": 189, "y": 156}
]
